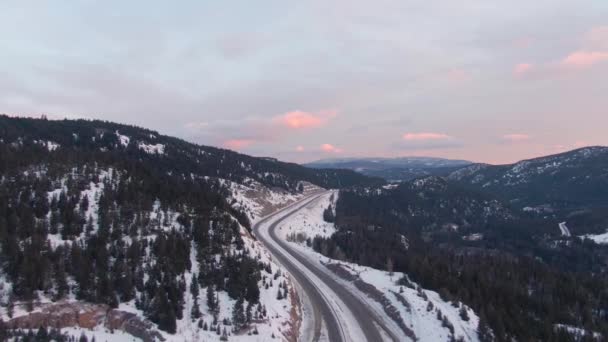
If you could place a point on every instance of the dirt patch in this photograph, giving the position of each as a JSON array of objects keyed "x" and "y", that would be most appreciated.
[
  {"x": 295, "y": 323},
  {"x": 86, "y": 315}
]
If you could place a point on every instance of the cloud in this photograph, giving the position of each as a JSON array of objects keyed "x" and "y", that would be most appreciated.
[
  {"x": 426, "y": 141},
  {"x": 300, "y": 148},
  {"x": 582, "y": 59},
  {"x": 458, "y": 75},
  {"x": 522, "y": 69},
  {"x": 515, "y": 137},
  {"x": 301, "y": 120},
  {"x": 425, "y": 136},
  {"x": 597, "y": 38},
  {"x": 238, "y": 144},
  {"x": 593, "y": 50},
  {"x": 329, "y": 148}
]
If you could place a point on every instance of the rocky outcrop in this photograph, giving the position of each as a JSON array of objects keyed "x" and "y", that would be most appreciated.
[{"x": 86, "y": 315}]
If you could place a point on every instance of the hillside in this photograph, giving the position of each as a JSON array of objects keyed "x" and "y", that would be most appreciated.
[
  {"x": 475, "y": 246},
  {"x": 568, "y": 180},
  {"x": 146, "y": 234},
  {"x": 99, "y": 140}
]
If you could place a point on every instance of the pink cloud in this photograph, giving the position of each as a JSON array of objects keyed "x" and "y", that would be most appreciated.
[
  {"x": 522, "y": 69},
  {"x": 300, "y": 148},
  {"x": 583, "y": 59},
  {"x": 597, "y": 38},
  {"x": 300, "y": 120},
  {"x": 516, "y": 137},
  {"x": 425, "y": 136},
  {"x": 329, "y": 148},
  {"x": 237, "y": 144},
  {"x": 458, "y": 75}
]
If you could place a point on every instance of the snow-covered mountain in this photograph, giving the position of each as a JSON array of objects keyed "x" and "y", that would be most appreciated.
[
  {"x": 120, "y": 233},
  {"x": 573, "y": 179}
]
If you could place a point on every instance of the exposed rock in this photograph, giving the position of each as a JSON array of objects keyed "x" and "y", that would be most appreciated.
[{"x": 86, "y": 315}]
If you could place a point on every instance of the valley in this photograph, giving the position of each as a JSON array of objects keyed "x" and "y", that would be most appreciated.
[{"x": 115, "y": 232}]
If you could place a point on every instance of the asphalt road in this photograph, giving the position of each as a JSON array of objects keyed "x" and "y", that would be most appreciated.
[{"x": 323, "y": 308}]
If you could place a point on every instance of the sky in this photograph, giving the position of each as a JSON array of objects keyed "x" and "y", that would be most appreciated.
[{"x": 481, "y": 80}]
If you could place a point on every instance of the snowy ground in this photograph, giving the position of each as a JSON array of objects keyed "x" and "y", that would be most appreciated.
[
  {"x": 597, "y": 238},
  {"x": 421, "y": 311},
  {"x": 257, "y": 201},
  {"x": 577, "y": 332},
  {"x": 100, "y": 334},
  {"x": 308, "y": 222}
]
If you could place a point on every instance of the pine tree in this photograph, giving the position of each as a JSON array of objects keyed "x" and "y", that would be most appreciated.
[
  {"x": 464, "y": 314},
  {"x": 212, "y": 302},
  {"x": 194, "y": 290},
  {"x": 162, "y": 312},
  {"x": 238, "y": 314}
]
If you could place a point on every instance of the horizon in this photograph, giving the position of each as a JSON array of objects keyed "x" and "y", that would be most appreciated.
[
  {"x": 302, "y": 82},
  {"x": 326, "y": 159}
]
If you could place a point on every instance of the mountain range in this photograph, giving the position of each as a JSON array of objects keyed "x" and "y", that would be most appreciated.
[
  {"x": 126, "y": 232},
  {"x": 393, "y": 169}
]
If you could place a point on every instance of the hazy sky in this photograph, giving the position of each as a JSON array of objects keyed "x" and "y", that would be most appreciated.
[{"x": 492, "y": 81}]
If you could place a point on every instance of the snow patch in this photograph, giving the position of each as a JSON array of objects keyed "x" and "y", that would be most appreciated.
[
  {"x": 124, "y": 140},
  {"x": 152, "y": 149},
  {"x": 601, "y": 239}
]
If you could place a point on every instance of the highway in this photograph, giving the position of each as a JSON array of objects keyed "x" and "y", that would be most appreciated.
[{"x": 344, "y": 317}]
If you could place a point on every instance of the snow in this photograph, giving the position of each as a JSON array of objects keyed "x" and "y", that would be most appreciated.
[
  {"x": 152, "y": 149},
  {"x": 257, "y": 201},
  {"x": 600, "y": 239},
  {"x": 101, "y": 334},
  {"x": 308, "y": 222},
  {"x": 424, "y": 324},
  {"x": 473, "y": 237},
  {"x": 124, "y": 140},
  {"x": 93, "y": 193},
  {"x": 578, "y": 332},
  {"x": 390, "y": 186},
  {"x": 50, "y": 145},
  {"x": 564, "y": 229}
]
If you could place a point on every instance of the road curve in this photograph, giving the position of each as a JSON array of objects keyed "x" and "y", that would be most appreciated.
[{"x": 299, "y": 266}]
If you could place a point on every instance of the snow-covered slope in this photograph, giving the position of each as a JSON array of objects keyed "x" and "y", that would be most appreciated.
[
  {"x": 275, "y": 318},
  {"x": 576, "y": 178},
  {"x": 421, "y": 312}
]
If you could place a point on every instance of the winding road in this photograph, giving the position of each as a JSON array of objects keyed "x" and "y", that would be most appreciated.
[{"x": 344, "y": 316}]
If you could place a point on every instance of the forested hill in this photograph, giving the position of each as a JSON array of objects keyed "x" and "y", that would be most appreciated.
[
  {"x": 533, "y": 274},
  {"x": 124, "y": 218},
  {"x": 25, "y": 140},
  {"x": 570, "y": 180}
]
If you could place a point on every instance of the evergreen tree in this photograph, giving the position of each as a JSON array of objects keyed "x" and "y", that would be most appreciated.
[
  {"x": 212, "y": 302},
  {"x": 238, "y": 314}
]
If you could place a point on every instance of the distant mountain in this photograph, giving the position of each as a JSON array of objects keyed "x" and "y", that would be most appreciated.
[
  {"x": 571, "y": 180},
  {"x": 394, "y": 169}
]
